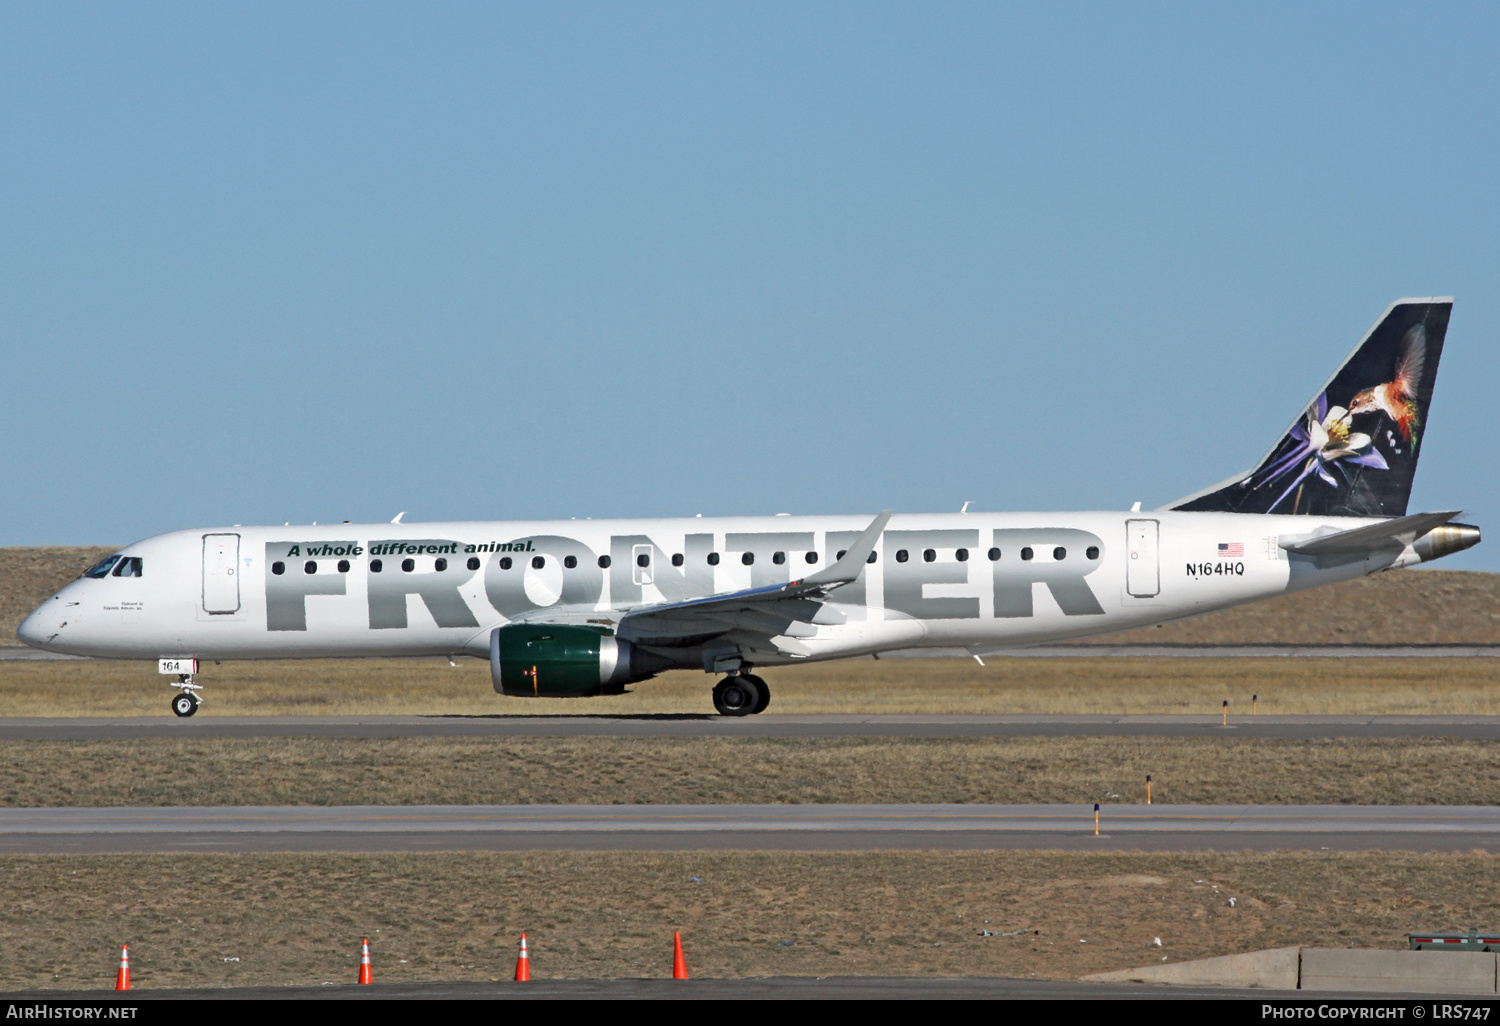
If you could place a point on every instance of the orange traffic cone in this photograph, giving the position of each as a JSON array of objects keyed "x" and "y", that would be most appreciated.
[
  {"x": 523, "y": 963},
  {"x": 122, "y": 978},
  {"x": 679, "y": 967},
  {"x": 364, "y": 964}
]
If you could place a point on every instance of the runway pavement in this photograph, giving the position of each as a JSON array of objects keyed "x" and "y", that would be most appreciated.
[
  {"x": 751, "y": 827},
  {"x": 766, "y": 725}
]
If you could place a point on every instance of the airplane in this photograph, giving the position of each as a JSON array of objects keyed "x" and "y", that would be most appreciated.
[{"x": 589, "y": 607}]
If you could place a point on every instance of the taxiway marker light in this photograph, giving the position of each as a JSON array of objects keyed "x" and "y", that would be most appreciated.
[
  {"x": 1096, "y": 819},
  {"x": 1226, "y": 712},
  {"x": 1148, "y": 789}
]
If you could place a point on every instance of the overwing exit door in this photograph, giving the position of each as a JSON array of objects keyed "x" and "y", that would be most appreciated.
[
  {"x": 1142, "y": 563},
  {"x": 221, "y": 580}
]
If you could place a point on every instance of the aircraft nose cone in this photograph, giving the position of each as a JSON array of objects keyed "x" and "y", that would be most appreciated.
[
  {"x": 30, "y": 631},
  {"x": 46, "y": 622}
]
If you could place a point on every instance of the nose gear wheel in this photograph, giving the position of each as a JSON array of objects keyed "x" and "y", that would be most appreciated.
[{"x": 186, "y": 703}]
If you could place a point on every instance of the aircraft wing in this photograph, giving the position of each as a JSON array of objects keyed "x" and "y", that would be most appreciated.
[{"x": 755, "y": 615}]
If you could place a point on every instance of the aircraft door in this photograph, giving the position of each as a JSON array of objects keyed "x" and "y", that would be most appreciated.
[
  {"x": 641, "y": 571},
  {"x": 221, "y": 582},
  {"x": 1142, "y": 570}
]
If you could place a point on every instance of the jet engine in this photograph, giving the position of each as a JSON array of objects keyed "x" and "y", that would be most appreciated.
[{"x": 565, "y": 661}]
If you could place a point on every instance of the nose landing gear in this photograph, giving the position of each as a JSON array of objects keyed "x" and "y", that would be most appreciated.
[
  {"x": 741, "y": 694},
  {"x": 186, "y": 703}
]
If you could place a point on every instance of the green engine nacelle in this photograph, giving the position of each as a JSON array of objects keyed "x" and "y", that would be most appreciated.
[{"x": 555, "y": 661}]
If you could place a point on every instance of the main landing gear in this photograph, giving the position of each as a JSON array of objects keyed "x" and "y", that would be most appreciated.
[
  {"x": 186, "y": 703},
  {"x": 741, "y": 694}
]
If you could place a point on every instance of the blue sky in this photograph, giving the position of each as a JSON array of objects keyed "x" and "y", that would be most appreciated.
[{"x": 266, "y": 263}]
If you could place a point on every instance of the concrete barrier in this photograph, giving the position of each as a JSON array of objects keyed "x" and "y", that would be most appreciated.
[
  {"x": 1336, "y": 969},
  {"x": 1274, "y": 969},
  {"x": 1399, "y": 972}
]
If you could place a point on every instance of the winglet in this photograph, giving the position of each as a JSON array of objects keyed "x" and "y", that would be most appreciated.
[
  {"x": 397, "y": 518},
  {"x": 852, "y": 564}
]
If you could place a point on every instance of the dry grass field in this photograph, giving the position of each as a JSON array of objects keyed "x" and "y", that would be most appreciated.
[
  {"x": 1107, "y": 686},
  {"x": 225, "y": 920},
  {"x": 629, "y": 771}
]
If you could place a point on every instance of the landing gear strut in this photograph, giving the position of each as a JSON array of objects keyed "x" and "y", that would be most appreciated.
[
  {"x": 186, "y": 703},
  {"x": 741, "y": 694}
]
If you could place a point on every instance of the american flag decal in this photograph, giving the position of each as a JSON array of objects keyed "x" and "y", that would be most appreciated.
[{"x": 1231, "y": 550}]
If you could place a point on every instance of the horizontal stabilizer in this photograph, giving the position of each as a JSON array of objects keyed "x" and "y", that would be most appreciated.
[{"x": 1397, "y": 533}]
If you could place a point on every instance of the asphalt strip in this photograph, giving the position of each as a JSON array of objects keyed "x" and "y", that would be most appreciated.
[{"x": 751, "y": 827}]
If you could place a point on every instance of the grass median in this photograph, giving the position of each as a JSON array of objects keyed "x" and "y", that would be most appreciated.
[
  {"x": 604, "y": 771},
  {"x": 226, "y": 920},
  {"x": 1425, "y": 686}
]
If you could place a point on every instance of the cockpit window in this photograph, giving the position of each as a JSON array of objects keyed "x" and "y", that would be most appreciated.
[
  {"x": 101, "y": 569},
  {"x": 128, "y": 566}
]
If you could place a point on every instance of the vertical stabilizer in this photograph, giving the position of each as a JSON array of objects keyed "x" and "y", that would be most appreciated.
[{"x": 1353, "y": 450}]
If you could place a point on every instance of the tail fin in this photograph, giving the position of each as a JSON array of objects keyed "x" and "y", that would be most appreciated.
[{"x": 1353, "y": 451}]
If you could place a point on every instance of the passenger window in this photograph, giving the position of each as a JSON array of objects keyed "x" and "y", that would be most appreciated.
[
  {"x": 840, "y": 555},
  {"x": 101, "y": 569},
  {"x": 440, "y": 564},
  {"x": 713, "y": 559},
  {"x": 676, "y": 559},
  {"x": 901, "y": 556},
  {"x": 505, "y": 563},
  {"x": 644, "y": 559},
  {"x": 871, "y": 557},
  {"x": 962, "y": 555},
  {"x": 1059, "y": 553},
  {"x": 748, "y": 558},
  {"x": 812, "y": 557},
  {"x": 408, "y": 565},
  {"x": 1026, "y": 552},
  {"x": 473, "y": 562},
  {"x": 537, "y": 562},
  {"x": 778, "y": 558},
  {"x": 343, "y": 566},
  {"x": 604, "y": 562},
  {"x": 994, "y": 555},
  {"x": 376, "y": 565},
  {"x": 1093, "y": 552},
  {"x": 310, "y": 567},
  {"x": 570, "y": 562},
  {"x": 278, "y": 568},
  {"x": 929, "y": 556}
]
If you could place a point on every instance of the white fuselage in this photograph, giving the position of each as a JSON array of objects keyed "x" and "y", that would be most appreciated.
[{"x": 313, "y": 591}]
